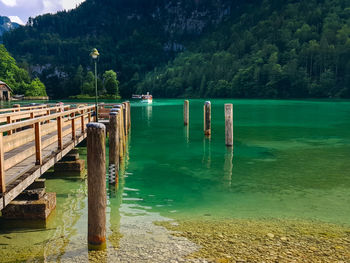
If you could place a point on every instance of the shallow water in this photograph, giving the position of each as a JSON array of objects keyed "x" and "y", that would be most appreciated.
[{"x": 290, "y": 161}]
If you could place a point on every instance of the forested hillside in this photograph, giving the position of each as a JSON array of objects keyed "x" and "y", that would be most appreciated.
[
  {"x": 18, "y": 78},
  {"x": 297, "y": 49},
  {"x": 193, "y": 48}
]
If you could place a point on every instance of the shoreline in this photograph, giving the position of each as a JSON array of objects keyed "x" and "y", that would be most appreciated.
[{"x": 272, "y": 240}]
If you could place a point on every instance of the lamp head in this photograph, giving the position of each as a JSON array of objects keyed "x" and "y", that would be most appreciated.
[{"x": 94, "y": 53}]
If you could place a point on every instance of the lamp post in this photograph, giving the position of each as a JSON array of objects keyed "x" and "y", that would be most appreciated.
[{"x": 94, "y": 54}]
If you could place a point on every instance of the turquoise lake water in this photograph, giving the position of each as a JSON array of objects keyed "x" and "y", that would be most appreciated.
[{"x": 290, "y": 160}]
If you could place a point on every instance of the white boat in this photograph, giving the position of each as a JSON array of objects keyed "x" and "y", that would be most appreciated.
[{"x": 147, "y": 98}]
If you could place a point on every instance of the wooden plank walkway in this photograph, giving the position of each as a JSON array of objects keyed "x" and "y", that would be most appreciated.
[{"x": 43, "y": 141}]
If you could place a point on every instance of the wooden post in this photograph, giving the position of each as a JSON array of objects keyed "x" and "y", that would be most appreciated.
[
  {"x": 59, "y": 132},
  {"x": 82, "y": 122},
  {"x": 207, "y": 118},
  {"x": 97, "y": 199},
  {"x": 229, "y": 124},
  {"x": 32, "y": 117},
  {"x": 89, "y": 116},
  {"x": 73, "y": 126},
  {"x": 38, "y": 155},
  {"x": 121, "y": 134},
  {"x": 9, "y": 122},
  {"x": 2, "y": 164},
  {"x": 186, "y": 112},
  {"x": 17, "y": 106},
  {"x": 129, "y": 115},
  {"x": 48, "y": 113},
  {"x": 125, "y": 125},
  {"x": 114, "y": 143}
]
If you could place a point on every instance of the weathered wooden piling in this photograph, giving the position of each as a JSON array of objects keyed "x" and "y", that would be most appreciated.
[
  {"x": 207, "y": 118},
  {"x": 97, "y": 199},
  {"x": 114, "y": 143},
  {"x": 125, "y": 119},
  {"x": 229, "y": 125},
  {"x": 129, "y": 116},
  {"x": 186, "y": 112}
]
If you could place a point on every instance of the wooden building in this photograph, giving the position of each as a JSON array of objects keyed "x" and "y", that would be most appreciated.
[{"x": 5, "y": 91}]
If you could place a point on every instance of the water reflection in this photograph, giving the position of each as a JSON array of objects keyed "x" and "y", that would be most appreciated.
[
  {"x": 187, "y": 134},
  {"x": 149, "y": 110},
  {"x": 228, "y": 166},
  {"x": 115, "y": 194},
  {"x": 207, "y": 152}
]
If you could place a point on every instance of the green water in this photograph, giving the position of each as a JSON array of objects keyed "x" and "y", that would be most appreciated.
[{"x": 290, "y": 160}]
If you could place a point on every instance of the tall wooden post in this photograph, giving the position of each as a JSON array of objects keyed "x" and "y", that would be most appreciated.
[
  {"x": 129, "y": 115},
  {"x": 124, "y": 119},
  {"x": 97, "y": 199},
  {"x": 207, "y": 118},
  {"x": 2, "y": 164},
  {"x": 121, "y": 134},
  {"x": 229, "y": 124},
  {"x": 38, "y": 155},
  {"x": 114, "y": 143},
  {"x": 186, "y": 112}
]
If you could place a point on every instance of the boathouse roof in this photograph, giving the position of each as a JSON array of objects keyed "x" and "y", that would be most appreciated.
[{"x": 4, "y": 84}]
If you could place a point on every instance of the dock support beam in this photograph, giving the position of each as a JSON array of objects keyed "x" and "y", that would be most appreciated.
[
  {"x": 207, "y": 118},
  {"x": 97, "y": 199},
  {"x": 229, "y": 125},
  {"x": 186, "y": 112}
]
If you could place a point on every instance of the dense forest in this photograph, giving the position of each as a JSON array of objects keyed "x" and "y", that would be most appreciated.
[
  {"x": 18, "y": 78},
  {"x": 298, "y": 49},
  {"x": 196, "y": 48}
]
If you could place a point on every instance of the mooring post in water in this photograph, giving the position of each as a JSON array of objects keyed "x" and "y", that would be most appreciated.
[
  {"x": 129, "y": 116},
  {"x": 114, "y": 145},
  {"x": 125, "y": 117},
  {"x": 207, "y": 118},
  {"x": 186, "y": 112},
  {"x": 97, "y": 199},
  {"x": 229, "y": 125}
]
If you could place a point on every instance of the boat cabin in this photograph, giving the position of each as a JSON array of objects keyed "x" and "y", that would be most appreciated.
[{"x": 5, "y": 91}]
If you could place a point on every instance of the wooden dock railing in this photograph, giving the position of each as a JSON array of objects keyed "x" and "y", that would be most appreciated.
[{"x": 42, "y": 129}]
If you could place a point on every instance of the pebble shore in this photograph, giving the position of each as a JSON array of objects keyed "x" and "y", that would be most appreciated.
[{"x": 265, "y": 240}]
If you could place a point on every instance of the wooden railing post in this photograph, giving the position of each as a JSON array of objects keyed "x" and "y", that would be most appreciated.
[
  {"x": 82, "y": 122},
  {"x": 59, "y": 132},
  {"x": 32, "y": 117},
  {"x": 48, "y": 113},
  {"x": 73, "y": 126},
  {"x": 17, "y": 107},
  {"x": 38, "y": 155},
  {"x": 89, "y": 116},
  {"x": 2, "y": 164},
  {"x": 9, "y": 122}
]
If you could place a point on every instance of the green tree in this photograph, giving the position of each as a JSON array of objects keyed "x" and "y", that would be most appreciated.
[
  {"x": 111, "y": 84},
  {"x": 36, "y": 89}
]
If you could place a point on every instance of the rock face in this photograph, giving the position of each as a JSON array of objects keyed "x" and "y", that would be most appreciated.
[{"x": 6, "y": 24}]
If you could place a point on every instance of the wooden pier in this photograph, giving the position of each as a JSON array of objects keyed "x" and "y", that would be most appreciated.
[{"x": 33, "y": 139}]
